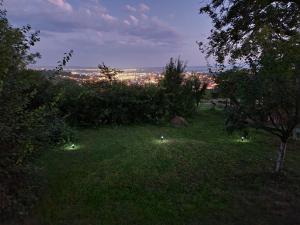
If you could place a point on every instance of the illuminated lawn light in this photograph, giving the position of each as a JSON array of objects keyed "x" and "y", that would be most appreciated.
[
  {"x": 161, "y": 140},
  {"x": 71, "y": 147},
  {"x": 242, "y": 140}
]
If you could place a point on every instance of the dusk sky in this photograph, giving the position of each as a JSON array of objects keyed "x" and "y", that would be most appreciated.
[{"x": 127, "y": 33}]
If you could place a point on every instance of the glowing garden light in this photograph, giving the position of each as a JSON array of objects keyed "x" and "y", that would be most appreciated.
[
  {"x": 161, "y": 140},
  {"x": 71, "y": 147},
  {"x": 243, "y": 140}
]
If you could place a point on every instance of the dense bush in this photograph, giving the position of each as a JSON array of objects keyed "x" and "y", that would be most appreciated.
[
  {"x": 110, "y": 103},
  {"x": 29, "y": 122},
  {"x": 114, "y": 102},
  {"x": 130, "y": 104}
]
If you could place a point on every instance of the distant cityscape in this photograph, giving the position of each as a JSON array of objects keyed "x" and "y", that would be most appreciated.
[
  {"x": 140, "y": 76},
  {"x": 83, "y": 70}
]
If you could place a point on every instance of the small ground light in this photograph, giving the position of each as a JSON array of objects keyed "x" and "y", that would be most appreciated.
[
  {"x": 162, "y": 138},
  {"x": 71, "y": 147},
  {"x": 243, "y": 138}
]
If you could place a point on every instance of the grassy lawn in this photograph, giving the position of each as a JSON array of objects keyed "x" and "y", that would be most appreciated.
[{"x": 197, "y": 175}]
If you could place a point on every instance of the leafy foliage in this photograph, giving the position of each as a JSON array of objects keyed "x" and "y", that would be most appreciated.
[
  {"x": 14, "y": 46},
  {"x": 114, "y": 102},
  {"x": 29, "y": 119},
  {"x": 29, "y": 123},
  {"x": 268, "y": 99},
  {"x": 110, "y": 103},
  {"x": 61, "y": 63},
  {"x": 240, "y": 25},
  {"x": 108, "y": 72},
  {"x": 266, "y": 38},
  {"x": 197, "y": 88},
  {"x": 276, "y": 84},
  {"x": 182, "y": 94}
]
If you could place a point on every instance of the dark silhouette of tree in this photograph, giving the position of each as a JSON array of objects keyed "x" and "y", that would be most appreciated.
[
  {"x": 14, "y": 46},
  {"x": 173, "y": 75},
  {"x": 62, "y": 63},
  {"x": 172, "y": 84},
  {"x": 265, "y": 36},
  {"x": 239, "y": 26},
  {"x": 182, "y": 94},
  {"x": 108, "y": 72},
  {"x": 29, "y": 119},
  {"x": 198, "y": 89}
]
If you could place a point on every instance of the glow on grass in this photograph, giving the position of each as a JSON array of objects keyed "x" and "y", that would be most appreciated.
[
  {"x": 243, "y": 140},
  {"x": 161, "y": 140},
  {"x": 71, "y": 147}
]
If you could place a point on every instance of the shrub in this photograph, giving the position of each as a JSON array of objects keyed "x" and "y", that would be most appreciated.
[
  {"x": 29, "y": 122},
  {"x": 110, "y": 103},
  {"x": 115, "y": 102}
]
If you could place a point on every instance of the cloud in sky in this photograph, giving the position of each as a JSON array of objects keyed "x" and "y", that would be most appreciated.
[
  {"x": 92, "y": 16},
  {"x": 62, "y": 4},
  {"x": 134, "y": 20},
  {"x": 130, "y": 8},
  {"x": 144, "y": 8},
  {"x": 89, "y": 24}
]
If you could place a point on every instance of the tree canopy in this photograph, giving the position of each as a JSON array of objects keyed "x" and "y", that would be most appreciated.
[
  {"x": 239, "y": 26},
  {"x": 265, "y": 35},
  {"x": 15, "y": 44}
]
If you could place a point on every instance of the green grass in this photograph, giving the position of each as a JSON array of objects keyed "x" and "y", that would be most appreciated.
[{"x": 197, "y": 175}]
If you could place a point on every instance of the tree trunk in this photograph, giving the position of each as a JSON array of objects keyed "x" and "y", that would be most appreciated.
[{"x": 280, "y": 157}]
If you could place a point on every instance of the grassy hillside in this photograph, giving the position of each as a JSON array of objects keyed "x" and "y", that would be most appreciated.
[{"x": 197, "y": 175}]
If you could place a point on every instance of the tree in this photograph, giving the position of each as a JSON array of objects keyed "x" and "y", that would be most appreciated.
[
  {"x": 182, "y": 94},
  {"x": 108, "y": 72},
  {"x": 173, "y": 75},
  {"x": 172, "y": 84},
  {"x": 28, "y": 120},
  {"x": 239, "y": 26},
  {"x": 61, "y": 63},
  {"x": 15, "y": 44},
  {"x": 198, "y": 89},
  {"x": 265, "y": 36}
]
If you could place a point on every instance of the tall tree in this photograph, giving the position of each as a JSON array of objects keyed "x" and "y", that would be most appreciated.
[
  {"x": 172, "y": 84},
  {"x": 15, "y": 44},
  {"x": 265, "y": 36},
  {"x": 29, "y": 120}
]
